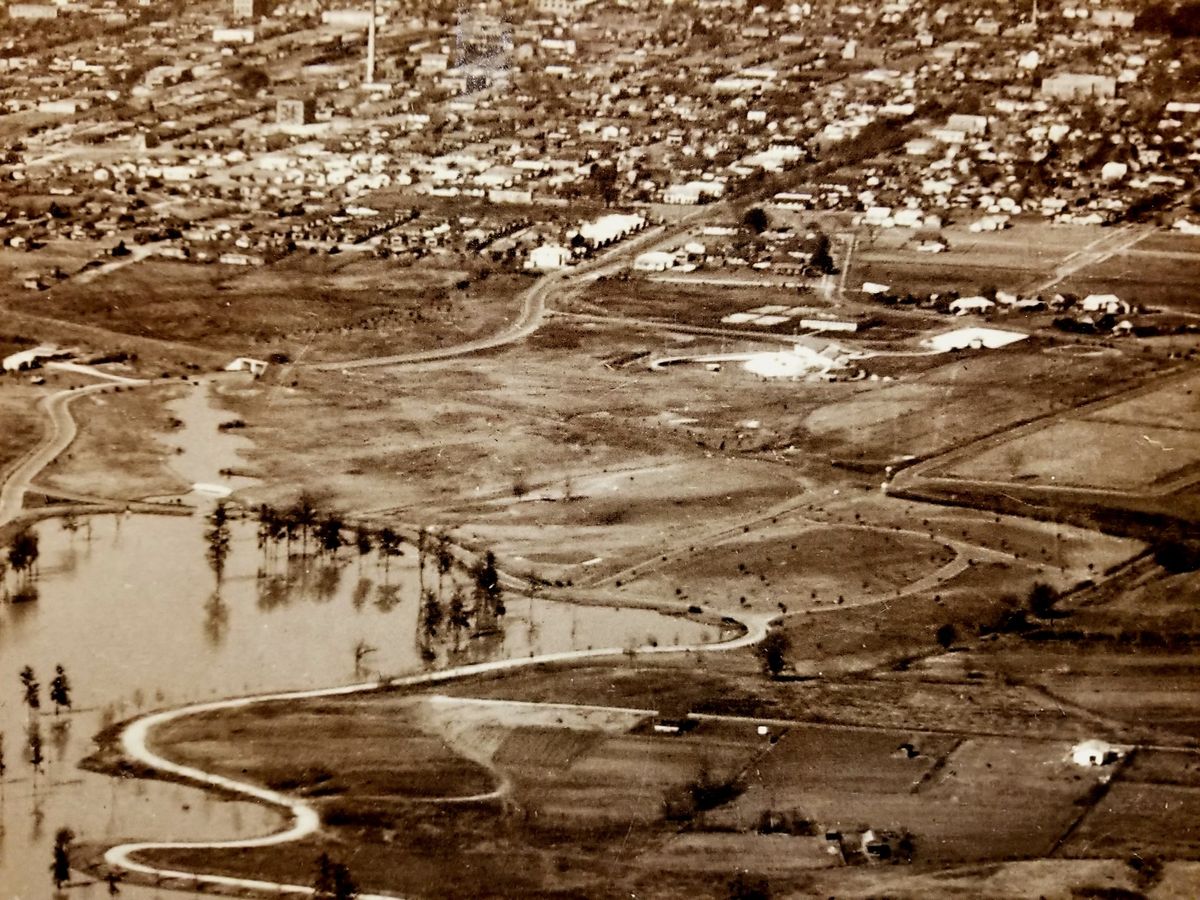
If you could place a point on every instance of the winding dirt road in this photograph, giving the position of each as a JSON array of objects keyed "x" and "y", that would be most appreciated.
[
  {"x": 304, "y": 819},
  {"x": 59, "y": 436}
]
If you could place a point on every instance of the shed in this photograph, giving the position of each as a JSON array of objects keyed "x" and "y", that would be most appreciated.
[{"x": 1095, "y": 752}]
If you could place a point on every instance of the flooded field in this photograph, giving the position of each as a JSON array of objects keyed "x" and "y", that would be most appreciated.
[{"x": 130, "y": 607}]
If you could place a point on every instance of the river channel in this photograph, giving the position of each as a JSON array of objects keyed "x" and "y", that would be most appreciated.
[{"x": 130, "y": 606}]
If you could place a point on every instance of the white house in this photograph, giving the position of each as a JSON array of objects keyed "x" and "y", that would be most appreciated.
[
  {"x": 654, "y": 261},
  {"x": 255, "y": 367},
  {"x": 964, "y": 305},
  {"x": 547, "y": 257},
  {"x": 1104, "y": 303}
]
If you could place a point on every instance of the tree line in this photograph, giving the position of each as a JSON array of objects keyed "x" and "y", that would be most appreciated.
[{"x": 457, "y": 597}]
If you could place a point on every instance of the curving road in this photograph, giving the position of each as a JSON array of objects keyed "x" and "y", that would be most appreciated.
[
  {"x": 533, "y": 307},
  {"x": 57, "y": 439},
  {"x": 304, "y": 819}
]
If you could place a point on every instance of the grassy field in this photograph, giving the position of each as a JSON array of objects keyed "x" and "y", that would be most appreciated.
[
  {"x": 1007, "y": 260},
  {"x": 694, "y": 304},
  {"x": 1146, "y": 442},
  {"x": 22, "y": 423},
  {"x": 118, "y": 451},
  {"x": 1104, "y": 455},
  {"x": 309, "y": 307},
  {"x": 588, "y": 787},
  {"x": 798, "y": 564}
]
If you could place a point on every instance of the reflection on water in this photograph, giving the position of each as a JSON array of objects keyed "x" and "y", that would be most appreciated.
[{"x": 132, "y": 610}]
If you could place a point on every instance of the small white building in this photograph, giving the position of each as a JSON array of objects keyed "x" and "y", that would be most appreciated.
[
  {"x": 255, "y": 367},
  {"x": 654, "y": 261},
  {"x": 964, "y": 305},
  {"x": 548, "y": 257},
  {"x": 1095, "y": 752},
  {"x": 1104, "y": 303}
]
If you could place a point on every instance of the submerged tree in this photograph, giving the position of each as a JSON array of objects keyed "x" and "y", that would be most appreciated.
[
  {"x": 32, "y": 689},
  {"x": 431, "y": 614},
  {"x": 329, "y": 535},
  {"x": 218, "y": 538},
  {"x": 304, "y": 514},
  {"x": 459, "y": 618},
  {"x": 443, "y": 557},
  {"x": 390, "y": 543},
  {"x": 363, "y": 542},
  {"x": 34, "y": 745},
  {"x": 489, "y": 603},
  {"x": 60, "y": 867},
  {"x": 23, "y": 554},
  {"x": 60, "y": 690}
]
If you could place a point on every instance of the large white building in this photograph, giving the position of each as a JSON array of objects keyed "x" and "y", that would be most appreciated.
[
  {"x": 563, "y": 8},
  {"x": 1079, "y": 86}
]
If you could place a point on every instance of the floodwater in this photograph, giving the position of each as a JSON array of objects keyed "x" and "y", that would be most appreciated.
[
  {"x": 205, "y": 453},
  {"x": 132, "y": 609}
]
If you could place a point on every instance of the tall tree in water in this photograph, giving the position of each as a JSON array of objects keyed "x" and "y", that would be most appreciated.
[
  {"x": 389, "y": 545},
  {"x": 60, "y": 690},
  {"x": 60, "y": 867},
  {"x": 217, "y": 536},
  {"x": 329, "y": 535},
  {"x": 431, "y": 614},
  {"x": 23, "y": 554},
  {"x": 443, "y": 557},
  {"x": 32, "y": 689},
  {"x": 34, "y": 743},
  {"x": 458, "y": 618},
  {"x": 363, "y": 542},
  {"x": 304, "y": 513},
  {"x": 489, "y": 603},
  {"x": 422, "y": 549}
]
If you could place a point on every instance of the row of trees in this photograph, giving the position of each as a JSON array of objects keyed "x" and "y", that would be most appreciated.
[
  {"x": 60, "y": 690},
  {"x": 456, "y": 598}
]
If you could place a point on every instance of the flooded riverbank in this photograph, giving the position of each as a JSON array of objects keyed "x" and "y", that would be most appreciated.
[{"x": 132, "y": 610}]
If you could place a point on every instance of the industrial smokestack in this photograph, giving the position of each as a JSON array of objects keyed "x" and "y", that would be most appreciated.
[{"x": 371, "y": 45}]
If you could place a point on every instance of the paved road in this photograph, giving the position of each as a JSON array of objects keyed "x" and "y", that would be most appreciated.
[{"x": 304, "y": 820}]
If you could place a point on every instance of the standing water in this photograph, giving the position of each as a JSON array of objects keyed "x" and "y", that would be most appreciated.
[{"x": 131, "y": 608}]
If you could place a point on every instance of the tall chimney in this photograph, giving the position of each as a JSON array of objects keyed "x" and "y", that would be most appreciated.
[{"x": 371, "y": 45}]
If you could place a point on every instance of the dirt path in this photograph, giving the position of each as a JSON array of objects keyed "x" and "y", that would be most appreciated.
[
  {"x": 304, "y": 820},
  {"x": 59, "y": 436}
]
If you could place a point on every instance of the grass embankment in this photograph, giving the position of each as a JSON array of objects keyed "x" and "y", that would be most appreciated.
[{"x": 120, "y": 450}]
